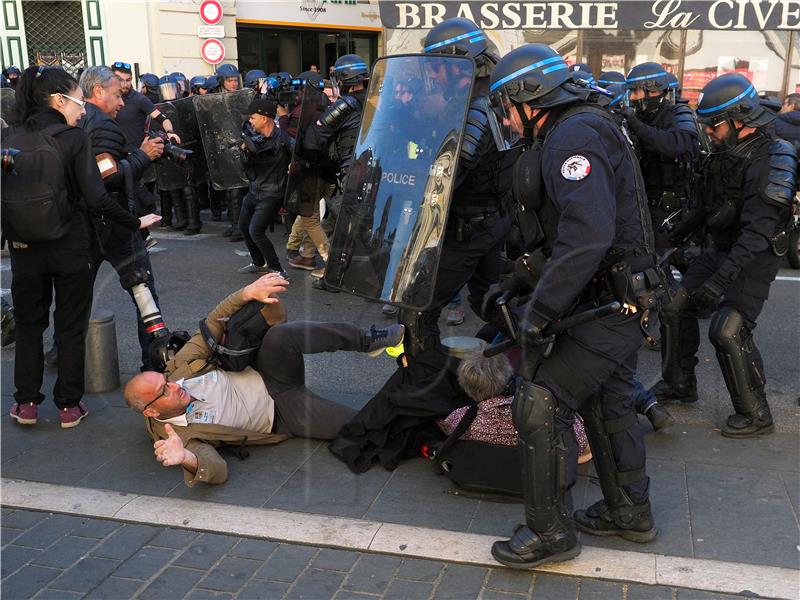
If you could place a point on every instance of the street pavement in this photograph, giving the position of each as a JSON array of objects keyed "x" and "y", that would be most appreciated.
[{"x": 713, "y": 498}]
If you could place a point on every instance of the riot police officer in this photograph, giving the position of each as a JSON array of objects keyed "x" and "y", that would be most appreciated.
[
  {"x": 197, "y": 83},
  {"x": 254, "y": 79},
  {"x": 748, "y": 186},
  {"x": 584, "y": 184},
  {"x": 148, "y": 85},
  {"x": 479, "y": 218},
  {"x": 229, "y": 80},
  {"x": 229, "y": 77}
]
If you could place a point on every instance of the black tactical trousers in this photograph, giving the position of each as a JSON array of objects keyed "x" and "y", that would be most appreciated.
[
  {"x": 475, "y": 262},
  {"x": 36, "y": 273},
  {"x": 255, "y": 216}
]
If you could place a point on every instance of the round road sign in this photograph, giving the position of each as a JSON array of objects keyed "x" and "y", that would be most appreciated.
[
  {"x": 211, "y": 12},
  {"x": 212, "y": 51}
]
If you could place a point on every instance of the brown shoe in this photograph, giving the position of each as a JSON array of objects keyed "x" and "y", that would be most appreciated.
[
  {"x": 318, "y": 273},
  {"x": 307, "y": 263}
]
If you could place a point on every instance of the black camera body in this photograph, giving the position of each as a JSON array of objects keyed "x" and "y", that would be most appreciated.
[{"x": 171, "y": 151}]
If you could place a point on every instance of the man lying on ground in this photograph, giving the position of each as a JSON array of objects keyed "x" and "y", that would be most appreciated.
[{"x": 193, "y": 406}]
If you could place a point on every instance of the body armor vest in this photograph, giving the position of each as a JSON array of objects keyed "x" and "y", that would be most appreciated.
[{"x": 662, "y": 173}]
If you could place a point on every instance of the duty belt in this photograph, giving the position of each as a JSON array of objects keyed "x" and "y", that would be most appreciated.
[{"x": 465, "y": 225}]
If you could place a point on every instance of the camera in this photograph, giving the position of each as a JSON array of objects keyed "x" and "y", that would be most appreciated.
[{"x": 171, "y": 151}]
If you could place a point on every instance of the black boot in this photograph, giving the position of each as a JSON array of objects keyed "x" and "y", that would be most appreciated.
[
  {"x": 234, "y": 198},
  {"x": 753, "y": 424},
  {"x": 527, "y": 550},
  {"x": 658, "y": 415},
  {"x": 179, "y": 206},
  {"x": 681, "y": 390},
  {"x": 193, "y": 223},
  {"x": 166, "y": 209},
  {"x": 633, "y": 522}
]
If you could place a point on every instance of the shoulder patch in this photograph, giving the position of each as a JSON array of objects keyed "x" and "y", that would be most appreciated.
[{"x": 576, "y": 167}]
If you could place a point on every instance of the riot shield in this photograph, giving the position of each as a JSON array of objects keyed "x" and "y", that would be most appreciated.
[
  {"x": 395, "y": 201},
  {"x": 220, "y": 118},
  {"x": 181, "y": 114},
  {"x": 304, "y": 186},
  {"x": 7, "y": 99}
]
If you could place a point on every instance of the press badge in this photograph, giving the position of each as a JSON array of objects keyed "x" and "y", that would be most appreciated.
[{"x": 205, "y": 417}]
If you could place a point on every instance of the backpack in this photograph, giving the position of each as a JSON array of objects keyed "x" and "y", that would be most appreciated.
[
  {"x": 35, "y": 203},
  {"x": 240, "y": 340}
]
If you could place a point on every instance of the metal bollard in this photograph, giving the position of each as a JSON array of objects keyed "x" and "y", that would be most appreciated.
[
  {"x": 460, "y": 346},
  {"x": 102, "y": 363}
]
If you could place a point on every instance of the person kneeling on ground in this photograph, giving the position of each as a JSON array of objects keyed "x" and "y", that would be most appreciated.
[{"x": 194, "y": 407}]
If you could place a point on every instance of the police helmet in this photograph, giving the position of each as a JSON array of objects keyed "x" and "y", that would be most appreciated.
[
  {"x": 168, "y": 88},
  {"x": 583, "y": 67},
  {"x": 533, "y": 74},
  {"x": 732, "y": 97},
  {"x": 583, "y": 76},
  {"x": 456, "y": 36},
  {"x": 608, "y": 78},
  {"x": 618, "y": 92},
  {"x": 673, "y": 83},
  {"x": 12, "y": 70},
  {"x": 350, "y": 70},
  {"x": 311, "y": 78},
  {"x": 3, "y": 81},
  {"x": 254, "y": 78},
  {"x": 227, "y": 70},
  {"x": 149, "y": 81},
  {"x": 649, "y": 76},
  {"x": 212, "y": 83},
  {"x": 197, "y": 82},
  {"x": 183, "y": 83}
]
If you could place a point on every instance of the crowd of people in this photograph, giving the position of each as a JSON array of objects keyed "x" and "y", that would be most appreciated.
[{"x": 588, "y": 215}]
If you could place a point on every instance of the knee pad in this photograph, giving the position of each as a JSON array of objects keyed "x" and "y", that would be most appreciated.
[
  {"x": 725, "y": 330},
  {"x": 533, "y": 409}
]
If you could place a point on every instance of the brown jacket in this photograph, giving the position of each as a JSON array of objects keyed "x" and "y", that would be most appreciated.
[{"x": 192, "y": 361}]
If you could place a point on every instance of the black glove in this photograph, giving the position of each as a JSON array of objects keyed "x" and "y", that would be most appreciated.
[
  {"x": 531, "y": 334},
  {"x": 629, "y": 114},
  {"x": 707, "y": 297},
  {"x": 511, "y": 287}
]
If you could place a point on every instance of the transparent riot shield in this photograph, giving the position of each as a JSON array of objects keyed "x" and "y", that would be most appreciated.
[
  {"x": 220, "y": 118},
  {"x": 181, "y": 114},
  {"x": 7, "y": 99},
  {"x": 304, "y": 186},
  {"x": 396, "y": 196},
  {"x": 171, "y": 173}
]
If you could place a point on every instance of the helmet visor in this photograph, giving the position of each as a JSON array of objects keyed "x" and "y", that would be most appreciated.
[
  {"x": 168, "y": 91},
  {"x": 504, "y": 120}
]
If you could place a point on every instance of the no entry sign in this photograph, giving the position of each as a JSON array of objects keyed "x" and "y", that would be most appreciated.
[
  {"x": 211, "y": 12},
  {"x": 212, "y": 51}
]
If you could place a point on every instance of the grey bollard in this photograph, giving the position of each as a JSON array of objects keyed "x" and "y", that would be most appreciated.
[
  {"x": 102, "y": 363},
  {"x": 460, "y": 346}
]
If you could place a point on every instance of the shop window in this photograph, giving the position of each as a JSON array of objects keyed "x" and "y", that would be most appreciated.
[
  {"x": 620, "y": 50},
  {"x": 759, "y": 55},
  {"x": 54, "y": 31}
]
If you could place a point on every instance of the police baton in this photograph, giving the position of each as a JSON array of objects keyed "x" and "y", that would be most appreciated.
[{"x": 560, "y": 326}]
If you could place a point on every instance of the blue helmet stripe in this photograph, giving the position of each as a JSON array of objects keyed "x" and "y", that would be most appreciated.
[
  {"x": 351, "y": 65},
  {"x": 749, "y": 91},
  {"x": 651, "y": 76},
  {"x": 478, "y": 35},
  {"x": 530, "y": 68}
]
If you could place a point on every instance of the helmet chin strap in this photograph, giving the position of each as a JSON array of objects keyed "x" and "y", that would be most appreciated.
[{"x": 530, "y": 125}]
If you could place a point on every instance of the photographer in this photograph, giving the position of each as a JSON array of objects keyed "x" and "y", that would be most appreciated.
[
  {"x": 266, "y": 154},
  {"x": 120, "y": 172},
  {"x": 48, "y": 106}
]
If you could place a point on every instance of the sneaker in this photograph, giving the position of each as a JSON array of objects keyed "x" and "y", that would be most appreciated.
[
  {"x": 318, "y": 273},
  {"x": 455, "y": 315},
  {"x": 253, "y": 269},
  {"x": 71, "y": 417},
  {"x": 282, "y": 273},
  {"x": 25, "y": 414},
  {"x": 377, "y": 340},
  {"x": 390, "y": 310},
  {"x": 307, "y": 263},
  {"x": 292, "y": 254}
]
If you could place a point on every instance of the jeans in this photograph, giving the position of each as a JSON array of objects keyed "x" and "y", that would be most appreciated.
[{"x": 254, "y": 218}]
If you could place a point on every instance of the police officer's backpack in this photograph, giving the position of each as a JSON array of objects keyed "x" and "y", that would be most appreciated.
[
  {"x": 241, "y": 339},
  {"x": 35, "y": 202}
]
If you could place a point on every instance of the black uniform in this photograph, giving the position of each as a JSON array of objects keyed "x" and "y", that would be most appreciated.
[
  {"x": 63, "y": 265},
  {"x": 125, "y": 251},
  {"x": 787, "y": 127},
  {"x": 747, "y": 192}
]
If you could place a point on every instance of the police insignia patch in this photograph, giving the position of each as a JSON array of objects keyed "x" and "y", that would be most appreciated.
[{"x": 576, "y": 168}]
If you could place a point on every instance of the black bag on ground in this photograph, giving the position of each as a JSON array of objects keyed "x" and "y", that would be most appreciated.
[
  {"x": 35, "y": 202},
  {"x": 484, "y": 470},
  {"x": 241, "y": 339}
]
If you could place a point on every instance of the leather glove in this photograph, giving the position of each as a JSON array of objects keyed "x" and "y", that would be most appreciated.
[
  {"x": 707, "y": 297},
  {"x": 512, "y": 287},
  {"x": 531, "y": 326}
]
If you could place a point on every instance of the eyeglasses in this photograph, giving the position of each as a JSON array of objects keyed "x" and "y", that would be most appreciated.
[
  {"x": 121, "y": 65},
  {"x": 164, "y": 392},
  {"x": 80, "y": 103}
]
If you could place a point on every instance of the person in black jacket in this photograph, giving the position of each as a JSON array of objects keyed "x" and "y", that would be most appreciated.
[
  {"x": 267, "y": 150},
  {"x": 787, "y": 125},
  {"x": 120, "y": 171},
  {"x": 48, "y": 97}
]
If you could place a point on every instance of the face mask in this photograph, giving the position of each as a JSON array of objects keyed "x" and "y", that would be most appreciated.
[{"x": 647, "y": 104}]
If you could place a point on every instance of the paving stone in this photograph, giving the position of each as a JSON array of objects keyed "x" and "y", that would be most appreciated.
[
  {"x": 115, "y": 588},
  {"x": 286, "y": 563},
  {"x": 372, "y": 573},
  {"x": 335, "y": 560},
  {"x": 174, "y": 538},
  {"x": 27, "y": 581},
  {"x": 65, "y": 552},
  {"x": 553, "y": 587},
  {"x": 49, "y": 594},
  {"x": 637, "y": 591},
  {"x": 146, "y": 562},
  {"x": 85, "y": 575},
  {"x": 497, "y": 595},
  {"x": 403, "y": 589},
  {"x": 125, "y": 542},
  {"x": 702, "y": 595},
  {"x": 461, "y": 581},
  {"x": 351, "y": 595},
  {"x": 95, "y": 528},
  {"x": 259, "y": 589},
  {"x": 22, "y": 519},
  {"x": 593, "y": 589},
  {"x": 504, "y": 580},
  {"x": 173, "y": 582},
  {"x": 7, "y": 535},
  {"x": 48, "y": 531},
  {"x": 314, "y": 584},
  {"x": 419, "y": 569},
  {"x": 205, "y": 551},
  {"x": 14, "y": 557},
  {"x": 255, "y": 549},
  {"x": 230, "y": 574},
  {"x": 207, "y": 595}
]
